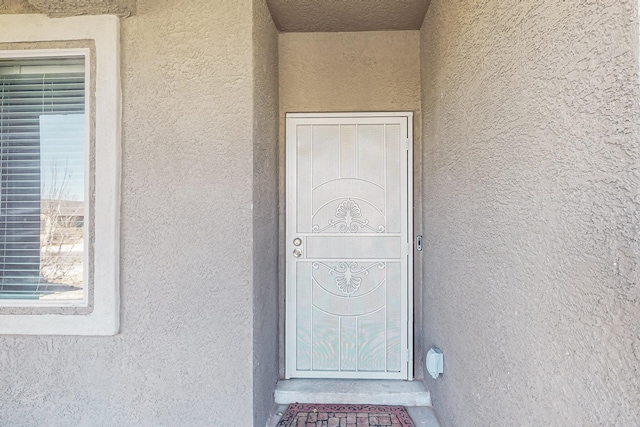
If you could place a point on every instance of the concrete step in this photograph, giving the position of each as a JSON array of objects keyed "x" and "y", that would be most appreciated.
[{"x": 373, "y": 392}]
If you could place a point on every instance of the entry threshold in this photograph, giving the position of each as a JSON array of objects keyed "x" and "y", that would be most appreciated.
[{"x": 373, "y": 392}]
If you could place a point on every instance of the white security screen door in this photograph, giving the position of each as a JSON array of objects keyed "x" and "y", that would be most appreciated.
[{"x": 348, "y": 249}]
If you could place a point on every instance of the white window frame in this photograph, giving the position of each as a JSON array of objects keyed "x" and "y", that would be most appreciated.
[
  {"x": 65, "y": 53},
  {"x": 104, "y": 31}
]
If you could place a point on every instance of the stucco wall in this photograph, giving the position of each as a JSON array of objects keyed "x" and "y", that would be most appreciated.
[
  {"x": 265, "y": 211},
  {"x": 357, "y": 71},
  {"x": 185, "y": 352},
  {"x": 16, "y": 6},
  {"x": 531, "y": 211}
]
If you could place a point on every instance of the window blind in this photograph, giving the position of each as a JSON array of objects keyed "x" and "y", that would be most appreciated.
[{"x": 41, "y": 176}]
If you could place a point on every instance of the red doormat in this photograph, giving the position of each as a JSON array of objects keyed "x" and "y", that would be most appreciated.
[{"x": 313, "y": 415}]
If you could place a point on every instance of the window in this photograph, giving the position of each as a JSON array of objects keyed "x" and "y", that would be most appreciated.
[
  {"x": 43, "y": 139},
  {"x": 59, "y": 175}
]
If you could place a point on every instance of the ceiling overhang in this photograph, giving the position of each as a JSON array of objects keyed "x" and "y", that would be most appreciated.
[{"x": 347, "y": 15}]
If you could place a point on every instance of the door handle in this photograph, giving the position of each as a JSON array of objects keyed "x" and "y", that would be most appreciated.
[{"x": 297, "y": 252}]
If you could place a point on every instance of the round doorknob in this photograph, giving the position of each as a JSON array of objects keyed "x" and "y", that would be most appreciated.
[{"x": 297, "y": 253}]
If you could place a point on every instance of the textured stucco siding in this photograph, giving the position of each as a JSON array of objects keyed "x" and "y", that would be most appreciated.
[
  {"x": 16, "y": 6},
  {"x": 265, "y": 211},
  {"x": 185, "y": 352},
  {"x": 69, "y": 7},
  {"x": 531, "y": 211},
  {"x": 357, "y": 71},
  {"x": 85, "y": 7},
  {"x": 360, "y": 71}
]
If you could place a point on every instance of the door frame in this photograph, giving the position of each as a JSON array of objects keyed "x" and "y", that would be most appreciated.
[{"x": 290, "y": 175}]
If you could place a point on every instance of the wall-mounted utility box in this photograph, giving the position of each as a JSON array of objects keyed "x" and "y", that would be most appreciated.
[{"x": 435, "y": 362}]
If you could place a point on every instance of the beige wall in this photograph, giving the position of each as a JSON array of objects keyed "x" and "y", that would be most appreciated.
[
  {"x": 358, "y": 71},
  {"x": 265, "y": 212},
  {"x": 531, "y": 211},
  {"x": 200, "y": 112},
  {"x": 16, "y": 6}
]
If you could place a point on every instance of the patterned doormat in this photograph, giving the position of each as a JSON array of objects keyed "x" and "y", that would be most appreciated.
[{"x": 313, "y": 415}]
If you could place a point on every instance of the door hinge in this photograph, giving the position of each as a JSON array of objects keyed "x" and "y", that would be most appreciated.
[{"x": 406, "y": 144}]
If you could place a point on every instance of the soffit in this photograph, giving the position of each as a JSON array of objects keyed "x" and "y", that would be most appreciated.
[{"x": 347, "y": 15}]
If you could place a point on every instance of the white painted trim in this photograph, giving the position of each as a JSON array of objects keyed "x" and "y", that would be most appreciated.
[
  {"x": 405, "y": 119},
  {"x": 410, "y": 236},
  {"x": 104, "y": 30},
  {"x": 45, "y": 53},
  {"x": 352, "y": 114}
]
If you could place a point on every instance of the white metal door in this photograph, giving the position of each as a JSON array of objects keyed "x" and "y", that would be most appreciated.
[{"x": 348, "y": 250}]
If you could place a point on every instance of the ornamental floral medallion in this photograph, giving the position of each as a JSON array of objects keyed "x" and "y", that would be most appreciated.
[
  {"x": 348, "y": 274},
  {"x": 349, "y": 219}
]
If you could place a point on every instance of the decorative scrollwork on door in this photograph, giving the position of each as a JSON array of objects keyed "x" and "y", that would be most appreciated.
[
  {"x": 349, "y": 220},
  {"x": 348, "y": 274}
]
